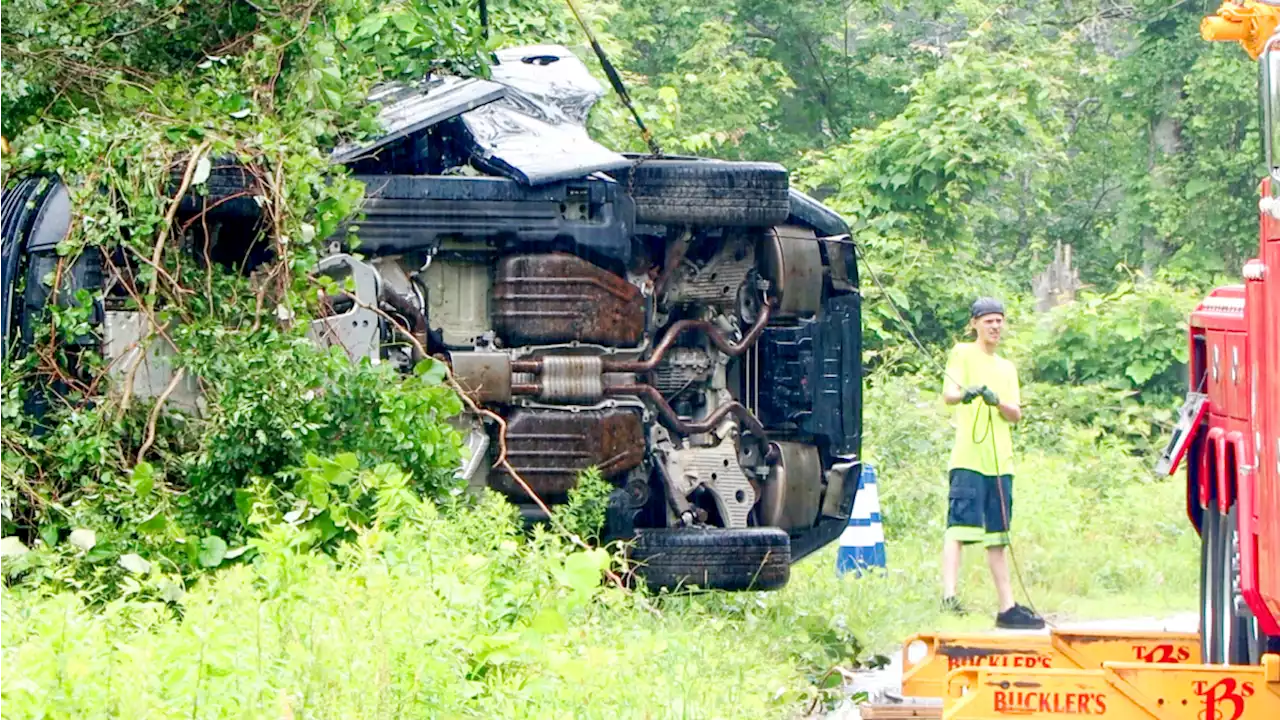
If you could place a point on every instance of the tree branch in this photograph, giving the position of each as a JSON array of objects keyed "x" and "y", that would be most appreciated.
[{"x": 155, "y": 413}]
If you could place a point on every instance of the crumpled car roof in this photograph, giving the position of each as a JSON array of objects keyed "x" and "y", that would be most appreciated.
[
  {"x": 409, "y": 109},
  {"x": 528, "y": 122}
]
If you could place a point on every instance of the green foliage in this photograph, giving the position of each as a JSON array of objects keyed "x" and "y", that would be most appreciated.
[
  {"x": 584, "y": 514},
  {"x": 914, "y": 184},
  {"x": 1055, "y": 414},
  {"x": 436, "y": 612},
  {"x": 447, "y": 615},
  {"x": 1132, "y": 337},
  {"x": 95, "y": 95},
  {"x": 964, "y": 142},
  {"x": 758, "y": 79}
]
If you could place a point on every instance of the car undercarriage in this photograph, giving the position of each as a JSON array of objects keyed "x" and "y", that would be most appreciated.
[{"x": 689, "y": 327}]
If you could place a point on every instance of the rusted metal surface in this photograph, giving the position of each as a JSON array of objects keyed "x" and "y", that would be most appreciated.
[
  {"x": 554, "y": 297},
  {"x": 486, "y": 376},
  {"x": 548, "y": 448},
  {"x": 714, "y": 334},
  {"x": 689, "y": 427},
  {"x": 896, "y": 712},
  {"x": 717, "y": 338},
  {"x": 410, "y": 310},
  {"x": 675, "y": 255},
  {"x": 791, "y": 494}
]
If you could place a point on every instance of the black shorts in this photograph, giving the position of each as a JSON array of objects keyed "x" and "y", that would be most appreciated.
[{"x": 979, "y": 509}]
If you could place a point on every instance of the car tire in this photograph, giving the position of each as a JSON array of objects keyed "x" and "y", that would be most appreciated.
[
  {"x": 713, "y": 559},
  {"x": 1237, "y": 633},
  {"x": 708, "y": 192},
  {"x": 21, "y": 204},
  {"x": 227, "y": 192},
  {"x": 85, "y": 272}
]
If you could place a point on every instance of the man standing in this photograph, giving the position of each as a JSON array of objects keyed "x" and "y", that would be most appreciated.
[{"x": 984, "y": 388}]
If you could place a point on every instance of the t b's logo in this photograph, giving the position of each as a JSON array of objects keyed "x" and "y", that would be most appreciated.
[
  {"x": 1165, "y": 653},
  {"x": 1223, "y": 700}
]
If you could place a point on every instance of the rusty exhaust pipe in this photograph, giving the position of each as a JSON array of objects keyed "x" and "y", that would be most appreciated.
[
  {"x": 668, "y": 413},
  {"x": 714, "y": 333},
  {"x": 690, "y": 427}
]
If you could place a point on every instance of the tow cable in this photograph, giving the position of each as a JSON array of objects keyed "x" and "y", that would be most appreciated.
[{"x": 615, "y": 80}]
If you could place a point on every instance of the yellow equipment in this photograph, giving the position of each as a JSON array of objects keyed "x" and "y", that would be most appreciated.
[
  {"x": 1249, "y": 23},
  {"x": 1132, "y": 691},
  {"x": 1094, "y": 673},
  {"x": 928, "y": 658}
]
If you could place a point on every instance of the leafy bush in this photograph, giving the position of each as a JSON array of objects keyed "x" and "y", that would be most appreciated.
[
  {"x": 584, "y": 514},
  {"x": 274, "y": 405},
  {"x": 1139, "y": 424},
  {"x": 1134, "y": 336},
  {"x": 113, "y": 100}
]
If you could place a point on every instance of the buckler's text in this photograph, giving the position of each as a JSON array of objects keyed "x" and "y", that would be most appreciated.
[
  {"x": 1061, "y": 703},
  {"x": 999, "y": 660}
]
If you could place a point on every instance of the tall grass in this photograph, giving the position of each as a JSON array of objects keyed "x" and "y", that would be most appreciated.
[
  {"x": 433, "y": 620},
  {"x": 464, "y": 617}
]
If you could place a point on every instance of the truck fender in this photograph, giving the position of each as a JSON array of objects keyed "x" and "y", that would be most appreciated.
[
  {"x": 1212, "y": 465},
  {"x": 1230, "y": 458}
]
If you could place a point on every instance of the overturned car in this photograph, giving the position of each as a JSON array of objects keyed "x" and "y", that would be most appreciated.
[{"x": 690, "y": 327}]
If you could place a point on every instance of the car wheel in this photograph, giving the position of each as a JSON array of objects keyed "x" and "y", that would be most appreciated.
[
  {"x": 20, "y": 207},
  {"x": 708, "y": 192},
  {"x": 715, "y": 559}
]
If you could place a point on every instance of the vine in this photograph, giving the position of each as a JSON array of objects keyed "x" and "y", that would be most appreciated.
[{"x": 138, "y": 109}]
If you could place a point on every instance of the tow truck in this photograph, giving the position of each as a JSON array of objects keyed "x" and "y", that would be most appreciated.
[{"x": 1227, "y": 438}]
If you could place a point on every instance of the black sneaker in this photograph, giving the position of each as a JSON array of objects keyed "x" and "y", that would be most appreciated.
[
  {"x": 1019, "y": 618},
  {"x": 952, "y": 605}
]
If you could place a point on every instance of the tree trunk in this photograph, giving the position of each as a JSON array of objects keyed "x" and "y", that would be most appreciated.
[{"x": 1058, "y": 284}]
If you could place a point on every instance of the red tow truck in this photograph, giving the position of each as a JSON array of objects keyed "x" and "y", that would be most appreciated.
[
  {"x": 1230, "y": 426},
  {"x": 1227, "y": 439}
]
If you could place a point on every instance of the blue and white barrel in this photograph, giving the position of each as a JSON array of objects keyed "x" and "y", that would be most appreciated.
[{"x": 862, "y": 542}]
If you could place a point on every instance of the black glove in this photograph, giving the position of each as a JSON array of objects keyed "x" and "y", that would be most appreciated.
[
  {"x": 971, "y": 394},
  {"x": 989, "y": 396}
]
